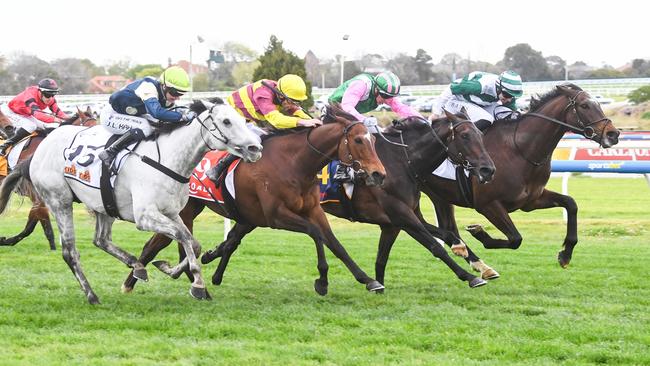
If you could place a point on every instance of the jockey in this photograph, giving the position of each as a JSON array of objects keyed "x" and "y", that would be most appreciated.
[
  {"x": 485, "y": 96},
  {"x": 364, "y": 93},
  {"x": 25, "y": 111},
  {"x": 144, "y": 100},
  {"x": 267, "y": 102}
]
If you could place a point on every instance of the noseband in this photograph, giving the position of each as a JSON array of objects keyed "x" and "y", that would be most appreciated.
[{"x": 355, "y": 164}]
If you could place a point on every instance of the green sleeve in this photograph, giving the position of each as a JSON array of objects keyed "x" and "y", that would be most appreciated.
[
  {"x": 513, "y": 104},
  {"x": 466, "y": 87}
]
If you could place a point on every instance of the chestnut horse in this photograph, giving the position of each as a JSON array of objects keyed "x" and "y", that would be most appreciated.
[
  {"x": 281, "y": 191},
  {"x": 522, "y": 152},
  {"x": 39, "y": 212}
]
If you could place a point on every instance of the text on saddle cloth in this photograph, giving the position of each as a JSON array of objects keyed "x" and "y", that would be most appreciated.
[
  {"x": 202, "y": 187},
  {"x": 82, "y": 162},
  {"x": 329, "y": 189}
]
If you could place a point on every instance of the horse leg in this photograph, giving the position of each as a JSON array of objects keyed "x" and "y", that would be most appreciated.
[
  {"x": 64, "y": 221},
  {"x": 159, "y": 242},
  {"x": 498, "y": 216},
  {"x": 550, "y": 199},
  {"x": 229, "y": 246},
  {"x": 447, "y": 222},
  {"x": 151, "y": 219},
  {"x": 386, "y": 239},
  {"x": 318, "y": 229},
  {"x": 103, "y": 230}
]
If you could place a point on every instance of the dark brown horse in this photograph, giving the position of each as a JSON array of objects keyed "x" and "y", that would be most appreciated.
[
  {"x": 39, "y": 212},
  {"x": 395, "y": 205},
  {"x": 280, "y": 191},
  {"x": 522, "y": 152}
]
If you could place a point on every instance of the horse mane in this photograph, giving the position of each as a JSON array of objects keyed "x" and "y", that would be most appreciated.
[
  {"x": 69, "y": 120},
  {"x": 538, "y": 101},
  {"x": 198, "y": 106},
  {"x": 412, "y": 122},
  {"x": 333, "y": 111}
]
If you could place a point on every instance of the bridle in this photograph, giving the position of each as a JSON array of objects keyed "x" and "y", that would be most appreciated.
[
  {"x": 584, "y": 129},
  {"x": 215, "y": 126},
  {"x": 354, "y": 164},
  {"x": 458, "y": 158}
]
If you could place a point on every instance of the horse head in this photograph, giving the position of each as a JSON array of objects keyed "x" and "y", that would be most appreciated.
[
  {"x": 356, "y": 147},
  {"x": 465, "y": 146},
  {"x": 86, "y": 118},
  {"x": 582, "y": 115},
  {"x": 224, "y": 128}
]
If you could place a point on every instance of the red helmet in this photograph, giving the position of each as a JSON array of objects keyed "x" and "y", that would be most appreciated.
[{"x": 48, "y": 85}]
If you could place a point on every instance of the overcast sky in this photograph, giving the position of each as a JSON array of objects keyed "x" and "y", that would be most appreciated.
[{"x": 596, "y": 32}]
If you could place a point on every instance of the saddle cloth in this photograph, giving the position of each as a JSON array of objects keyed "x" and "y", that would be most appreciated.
[
  {"x": 447, "y": 170},
  {"x": 81, "y": 161},
  {"x": 329, "y": 189},
  {"x": 202, "y": 187},
  {"x": 14, "y": 154}
]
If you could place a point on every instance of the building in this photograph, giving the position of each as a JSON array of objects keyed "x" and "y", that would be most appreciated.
[{"x": 107, "y": 84}]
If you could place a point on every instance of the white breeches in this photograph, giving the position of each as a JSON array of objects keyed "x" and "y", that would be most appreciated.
[
  {"x": 121, "y": 123},
  {"x": 28, "y": 123},
  {"x": 476, "y": 112}
]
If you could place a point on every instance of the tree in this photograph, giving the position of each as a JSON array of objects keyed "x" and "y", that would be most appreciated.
[
  {"x": 277, "y": 62},
  {"x": 139, "y": 71},
  {"x": 556, "y": 67},
  {"x": 640, "y": 95},
  {"x": 242, "y": 73},
  {"x": 27, "y": 70},
  {"x": 530, "y": 64},
  {"x": 405, "y": 68},
  {"x": 75, "y": 74},
  {"x": 119, "y": 68},
  {"x": 200, "y": 82},
  {"x": 423, "y": 67}
]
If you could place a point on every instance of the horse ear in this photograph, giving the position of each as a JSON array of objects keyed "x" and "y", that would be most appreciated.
[
  {"x": 207, "y": 104},
  {"x": 450, "y": 116},
  {"x": 564, "y": 88},
  {"x": 463, "y": 111},
  {"x": 89, "y": 112}
]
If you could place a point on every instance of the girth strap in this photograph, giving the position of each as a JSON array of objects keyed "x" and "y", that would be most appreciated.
[{"x": 165, "y": 170}]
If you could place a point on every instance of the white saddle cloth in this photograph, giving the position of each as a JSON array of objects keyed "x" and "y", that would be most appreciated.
[
  {"x": 447, "y": 170},
  {"x": 81, "y": 157}
]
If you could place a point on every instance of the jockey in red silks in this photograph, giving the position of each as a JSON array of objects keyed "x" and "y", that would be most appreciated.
[{"x": 25, "y": 111}]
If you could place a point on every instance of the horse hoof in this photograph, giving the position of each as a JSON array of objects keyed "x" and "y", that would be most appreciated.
[
  {"x": 216, "y": 280},
  {"x": 460, "y": 250},
  {"x": 374, "y": 285},
  {"x": 141, "y": 274},
  {"x": 563, "y": 260},
  {"x": 490, "y": 274},
  {"x": 474, "y": 229},
  {"x": 207, "y": 257},
  {"x": 477, "y": 282},
  {"x": 126, "y": 289},
  {"x": 93, "y": 299},
  {"x": 200, "y": 293},
  {"x": 379, "y": 292},
  {"x": 320, "y": 286}
]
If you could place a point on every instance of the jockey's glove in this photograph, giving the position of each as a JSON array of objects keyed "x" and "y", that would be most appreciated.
[
  {"x": 188, "y": 116},
  {"x": 371, "y": 124}
]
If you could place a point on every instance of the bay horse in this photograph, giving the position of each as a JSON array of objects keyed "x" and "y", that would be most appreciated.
[
  {"x": 522, "y": 151},
  {"x": 418, "y": 148},
  {"x": 280, "y": 191},
  {"x": 38, "y": 212},
  {"x": 150, "y": 189}
]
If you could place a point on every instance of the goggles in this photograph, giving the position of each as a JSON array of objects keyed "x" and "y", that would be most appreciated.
[
  {"x": 48, "y": 94},
  {"x": 175, "y": 92}
]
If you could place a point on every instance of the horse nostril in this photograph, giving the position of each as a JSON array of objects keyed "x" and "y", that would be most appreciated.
[
  {"x": 254, "y": 148},
  {"x": 613, "y": 135},
  {"x": 486, "y": 172}
]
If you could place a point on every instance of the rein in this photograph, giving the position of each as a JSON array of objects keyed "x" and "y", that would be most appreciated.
[
  {"x": 582, "y": 130},
  {"x": 346, "y": 130}
]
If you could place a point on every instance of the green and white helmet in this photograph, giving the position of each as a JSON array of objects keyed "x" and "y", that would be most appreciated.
[
  {"x": 510, "y": 82},
  {"x": 388, "y": 83},
  {"x": 175, "y": 77}
]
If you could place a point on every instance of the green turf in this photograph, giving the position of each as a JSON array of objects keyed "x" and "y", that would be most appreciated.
[{"x": 267, "y": 313}]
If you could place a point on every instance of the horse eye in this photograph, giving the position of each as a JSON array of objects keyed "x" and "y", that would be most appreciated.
[
  {"x": 226, "y": 122},
  {"x": 464, "y": 136},
  {"x": 358, "y": 140},
  {"x": 584, "y": 106}
]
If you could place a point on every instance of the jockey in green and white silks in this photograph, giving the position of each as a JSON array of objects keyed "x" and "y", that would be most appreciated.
[{"x": 485, "y": 96}]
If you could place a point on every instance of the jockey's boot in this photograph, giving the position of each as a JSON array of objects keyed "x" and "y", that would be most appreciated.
[
  {"x": 482, "y": 124},
  {"x": 341, "y": 174},
  {"x": 109, "y": 153},
  {"x": 20, "y": 134},
  {"x": 215, "y": 172}
]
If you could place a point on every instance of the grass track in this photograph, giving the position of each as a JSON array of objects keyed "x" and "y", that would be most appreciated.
[{"x": 266, "y": 312}]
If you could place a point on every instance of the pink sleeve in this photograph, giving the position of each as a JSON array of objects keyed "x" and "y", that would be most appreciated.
[
  {"x": 353, "y": 94},
  {"x": 402, "y": 110}
]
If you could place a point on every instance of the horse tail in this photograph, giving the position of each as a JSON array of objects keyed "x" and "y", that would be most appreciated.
[{"x": 11, "y": 181}]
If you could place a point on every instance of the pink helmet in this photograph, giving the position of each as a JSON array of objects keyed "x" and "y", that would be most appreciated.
[{"x": 49, "y": 86}]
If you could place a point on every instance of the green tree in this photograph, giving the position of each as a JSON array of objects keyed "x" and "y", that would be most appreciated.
[
  {"x": 605, "y": 73},
  {"x": 640, "y": 95},
  {"x": 200, "y": 82},
  {"x": 26, "y": 70},
  {"x": 277, "y": 62},
  {"x": 423, "y": 67},
  {"x": 242, "y": 73},
  {"x": 530, "y": 64},
  {"x": 151, "y": 70},
  {"x": 119, "y": 68},
  {"x": 405, "y": 68}
]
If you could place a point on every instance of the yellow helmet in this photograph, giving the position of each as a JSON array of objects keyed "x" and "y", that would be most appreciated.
[
  {"x": 175, "y": 77},
  {"x": 293, "y": 86}
]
